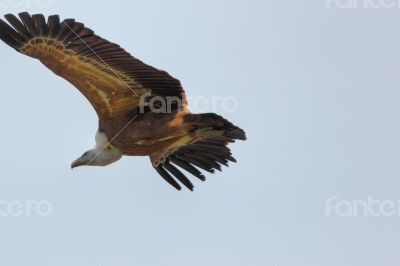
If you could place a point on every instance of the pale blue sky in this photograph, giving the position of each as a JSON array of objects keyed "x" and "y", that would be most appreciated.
[{"x": 322, "y": 121}]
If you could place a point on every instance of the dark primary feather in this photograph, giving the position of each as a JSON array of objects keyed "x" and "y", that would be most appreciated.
[
  {"x": 200, "y": 161},
  {"x": 167, "y": 177},
  {"x": 17, "y": 24},
  {"x": 179, "y": 175},
  {"x": 29, "y": 23},
  {"x": 187, "y": 167},
  {"x": 53, "y": 23},
  {"x": 40, "y": 23}
]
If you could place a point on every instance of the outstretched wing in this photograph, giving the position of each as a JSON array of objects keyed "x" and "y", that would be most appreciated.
[
  {"x": 111, "y": 79},
  {"x": 206, "y": 148}
]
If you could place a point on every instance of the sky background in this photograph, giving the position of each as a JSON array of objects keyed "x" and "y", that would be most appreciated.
[{"x": 316, "y": 89}]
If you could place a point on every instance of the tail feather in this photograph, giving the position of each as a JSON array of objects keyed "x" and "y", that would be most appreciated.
[{"x": 217, "y": 122}]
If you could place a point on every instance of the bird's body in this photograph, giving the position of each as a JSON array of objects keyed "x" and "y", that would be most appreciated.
[
  {"x": 146, "y": 133},
  {"x": 142, "y": 110}
]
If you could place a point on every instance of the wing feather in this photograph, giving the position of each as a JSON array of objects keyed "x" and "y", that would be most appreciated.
[
  {"x": 204, "y": 146},
  {"x": 41, "y": 25},
  {"x": 191, "y": 157},
  {"x": 110, "y": 78}
]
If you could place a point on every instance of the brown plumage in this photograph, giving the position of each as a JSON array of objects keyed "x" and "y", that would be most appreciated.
[{"x": 123, "y": 90}]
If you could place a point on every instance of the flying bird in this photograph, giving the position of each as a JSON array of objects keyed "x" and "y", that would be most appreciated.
[{"x": 142, "y": 110}]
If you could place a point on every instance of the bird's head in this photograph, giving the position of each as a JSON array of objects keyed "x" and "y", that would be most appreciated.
[
  {"x": 98, "y": 157},
  {"x": 103, "y": 154}
]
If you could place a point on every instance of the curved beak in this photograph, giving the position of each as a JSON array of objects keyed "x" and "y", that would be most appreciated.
[{"x": 76, "y": 163}]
